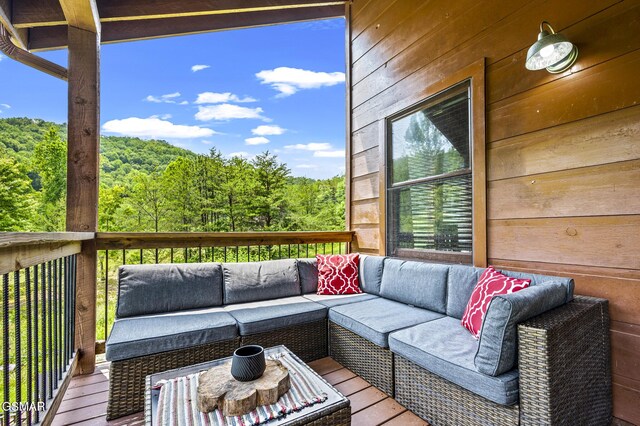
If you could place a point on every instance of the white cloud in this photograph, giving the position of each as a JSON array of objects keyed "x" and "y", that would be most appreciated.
[
  {"x": 218, "y": 98},
  {"x": 184, "y": 103},
  {"x": 169, "y": 98},
  {"x": 224, "y": 112},
  {"x": 5, "y": 106},
  {"x": 330, "y": 154},
  {"x": 161, "y": 116},
  {"x": 1, "y": 57},
  {"x": 314, "y": 146},
  {"x": 206, "y": 142},
  {"x": 268, "y": 130},
  {"x": 288, "y": 81},
  {"x": 306, "y": 166},
  {"x": 197, "y": 68},
  {"x": 154, "y": 128},
  {"x": 259, "y": 140},
  {"x": 241, "y": 154}
]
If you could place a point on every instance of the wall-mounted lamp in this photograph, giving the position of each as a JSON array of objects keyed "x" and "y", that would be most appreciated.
[{"x": 552, "y": 51}]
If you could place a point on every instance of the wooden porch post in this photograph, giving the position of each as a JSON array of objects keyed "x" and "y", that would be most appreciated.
[{"x": 82, "y": 180}]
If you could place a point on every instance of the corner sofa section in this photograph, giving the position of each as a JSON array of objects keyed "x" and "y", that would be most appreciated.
[{"x": 402, "y": 334}]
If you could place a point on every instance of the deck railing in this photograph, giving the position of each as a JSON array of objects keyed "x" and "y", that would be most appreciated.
[
  {"x": 42, "y": 282},
  {"x": 38, "y": 321},
  {"x": 116, "y": 249}
]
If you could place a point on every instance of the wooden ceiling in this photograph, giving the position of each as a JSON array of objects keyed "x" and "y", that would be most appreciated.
[{"x": 42, "y": 24}]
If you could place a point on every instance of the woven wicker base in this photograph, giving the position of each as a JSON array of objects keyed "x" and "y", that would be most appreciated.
[
  {"x": 127, "y": 378},
  {"x": 308, "y": 341},
  {"x": 440, "y": 402},
  {"x": 366, "y": 359},
  {"x": 565, "y": 366}
]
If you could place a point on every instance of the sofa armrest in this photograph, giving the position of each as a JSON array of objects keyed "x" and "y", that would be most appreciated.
[{"x": 564, "y": 363}]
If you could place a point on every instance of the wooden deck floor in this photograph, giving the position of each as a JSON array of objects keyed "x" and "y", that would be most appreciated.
[{"x": 85, "y": 402}]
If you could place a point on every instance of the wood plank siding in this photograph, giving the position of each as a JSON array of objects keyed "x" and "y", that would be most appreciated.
[{"x": 562, "y": 150}]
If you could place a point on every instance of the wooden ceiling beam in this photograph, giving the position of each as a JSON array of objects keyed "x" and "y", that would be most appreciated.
[
  {"x": 81, "y": 14},
  {"x": 48, "y": 38},
  {"x": 18, "y": 36},
  {"x": 38, "y": 13}
]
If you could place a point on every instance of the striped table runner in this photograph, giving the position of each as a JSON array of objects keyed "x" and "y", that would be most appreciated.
[{"x": 178, "y": 406}]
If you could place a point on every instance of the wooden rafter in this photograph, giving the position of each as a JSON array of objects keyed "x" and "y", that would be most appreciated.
[
  {"x": 45, "y": 38},
  {"x": 37, "y": 13},
  {"x": 18, "y": 36},
  {"x": 14, "y": 52},
  {"x": 81, "y": 14}
]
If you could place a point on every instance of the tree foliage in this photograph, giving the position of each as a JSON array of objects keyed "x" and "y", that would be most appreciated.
[{"x": 153, "y": 186}]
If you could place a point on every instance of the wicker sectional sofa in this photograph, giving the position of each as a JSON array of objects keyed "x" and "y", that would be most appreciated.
[{"x": 542, "y": 356}]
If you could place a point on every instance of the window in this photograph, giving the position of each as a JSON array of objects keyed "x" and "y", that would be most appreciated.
[{"x": 429, "y": 179}]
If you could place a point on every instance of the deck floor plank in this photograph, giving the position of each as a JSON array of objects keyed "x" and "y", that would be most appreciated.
[{"x": 85, "y": 401}]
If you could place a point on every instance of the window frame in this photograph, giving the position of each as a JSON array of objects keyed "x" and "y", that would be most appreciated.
[{"x": 473, "y": 77}]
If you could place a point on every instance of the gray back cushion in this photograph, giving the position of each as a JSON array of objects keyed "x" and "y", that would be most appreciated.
[
  {"x": 460, "y": 284},
  {"x": 156, "y": 289},
  {"x": 254, "y": 281},
  {"x": 537, "y": 279},
  {"x": 497, "y": 347},
  {"x": 419, "y": 284},
  {"x": 370, "y": 273},
  {"x": 308, "y": 272}
]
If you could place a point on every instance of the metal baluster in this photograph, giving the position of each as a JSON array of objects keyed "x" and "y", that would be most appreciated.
[
  {"x": 124, "y": 257},
  {"x": 259, "y": 252},
  {"x": 331, "y": 248},
  {"x": 27, "y": 279},
  {"x": 248, "y": 254},
  {"x": 60, "y": 340},
  {"x": 74, "y": 276},
  {"x": 49, "y": 328},
  {"x": 5, "y": 342},
  {"x": 289, "y": 251},
  {"x": 186, "y": 255},
  {"x": 43, "y": 382},
  {"x": 106, "y": 291},
  {"x": 199, "y": 254},
  {"x": 157, "y": 256},
  {"x": 54, "y": 342},
  {"x": 171, "y": 255},
  {"x": 225, "y": 254},
  {"x": 141, "y": 257},
  {"x": 17, "y": 337},
  {"x": 306, "y": 250},
  {"x": 36, "y": 365},
  {"x": 279, "y": 251},
  {"x": 65, "y": 337}
]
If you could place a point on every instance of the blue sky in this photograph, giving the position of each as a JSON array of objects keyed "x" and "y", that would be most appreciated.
[{"x": 279, "y": 88}]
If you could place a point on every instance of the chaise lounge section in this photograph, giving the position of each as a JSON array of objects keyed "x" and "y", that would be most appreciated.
[{"x": 542, "y": 355}]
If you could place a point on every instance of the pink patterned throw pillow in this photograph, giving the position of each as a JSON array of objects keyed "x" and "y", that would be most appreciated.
[
  {"x": 491, "y": 283},
  {"x": 338, "y": 274}
]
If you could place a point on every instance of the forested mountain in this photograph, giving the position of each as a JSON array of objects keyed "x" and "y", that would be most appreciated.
[{"x": 151, "y": 185}]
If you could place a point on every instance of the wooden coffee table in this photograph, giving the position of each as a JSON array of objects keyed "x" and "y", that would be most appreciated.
[{"x": 335, "y": 411}]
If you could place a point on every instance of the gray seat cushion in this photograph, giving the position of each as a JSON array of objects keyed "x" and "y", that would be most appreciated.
[
  {"x": 418, "y": 284},
  {"x": 537, "y": 279},
  {"x": 150, "y": 334},
  {"x": 460, "y": 284},
  {"x": 253, "y": 281},
  {"x": 269, "y": 315},
  {"x": 446, "y": 349},
  {"x": 497, "y": 349},
  {"x": 370, "y": 273},
  {"x": 331, "y": 300},
  {"x": 308, "y": 272},
  {"x": 154, "y": 289},
  {"x": 375, "y": 319}
]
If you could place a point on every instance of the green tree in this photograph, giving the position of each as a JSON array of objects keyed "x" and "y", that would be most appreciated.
[
  {"x": 269, "y": 204},
  {"x": 110, "y": 201},
  {"x": 237, "y": 191},
  {"x": 147, "y": 197},
  {"x": 179, "y": 181},
  {"x": 50, "y": 162},
  {"x": 16, "y": 196}
]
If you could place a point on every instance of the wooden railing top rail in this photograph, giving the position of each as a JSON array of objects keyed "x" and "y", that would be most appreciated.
[
  {"x": 14, "y": 239},
  {"x": 19, "y": 250},
  {"x": 152, "y": 240}
]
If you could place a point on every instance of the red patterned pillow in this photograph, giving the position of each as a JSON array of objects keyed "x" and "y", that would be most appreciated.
[
  {"x": 338, "y": 274},
  {"x": 491, "y": 283}
]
